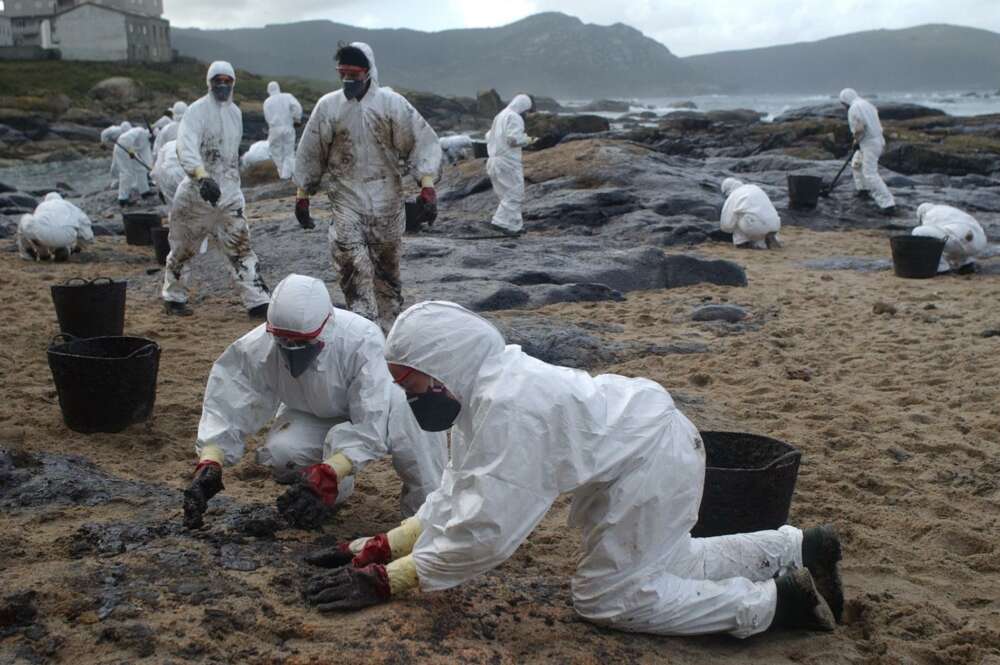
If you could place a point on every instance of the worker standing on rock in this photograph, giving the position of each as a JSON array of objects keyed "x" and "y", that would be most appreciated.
[
  {"x": 282, "y": 113},
  {"x": 749, "y": 215},
  {"x": 522, "y": 433},
  {"x": 504, "y": 142},
  {"x": 56, "y": 229},
  {"x": 133, "y": 158},
  {"x": 169, "y": 132},
  {"x": 869, "y": 142},
  {"x": 209, "y": 201},
  {"x": 360, "y": 135},
  {"x": 964, "y": 237},
  {"x": 320, "y": 372}
]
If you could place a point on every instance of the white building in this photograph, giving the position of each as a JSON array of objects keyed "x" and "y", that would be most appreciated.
[{"x": 95, "y": 30}]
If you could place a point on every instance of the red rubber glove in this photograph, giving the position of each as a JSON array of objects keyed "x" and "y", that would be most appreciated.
[
  {"x": 376, "y": 550},
  {"x": 302, "y": 214},
  {"x": 322, "y": 479},
  {"x": 428, "y": 195}
]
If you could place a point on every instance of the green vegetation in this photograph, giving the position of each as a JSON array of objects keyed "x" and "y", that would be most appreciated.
[{"x": 184, "y": 79}]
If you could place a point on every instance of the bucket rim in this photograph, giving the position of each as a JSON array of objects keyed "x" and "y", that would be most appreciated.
[
  {"x": 792, "y": 455},
  {"x": 56, "y": 350}
]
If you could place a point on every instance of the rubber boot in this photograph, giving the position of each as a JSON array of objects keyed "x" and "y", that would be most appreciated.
[
  {"x": 800, "y": 605},
  {"x": 177, "y": 308},
  {"x": 771, "y": 240},
  {"x": 821, "y": 553}
]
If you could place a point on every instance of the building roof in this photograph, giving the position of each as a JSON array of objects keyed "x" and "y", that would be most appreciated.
[{"x": 111, "y": 9}]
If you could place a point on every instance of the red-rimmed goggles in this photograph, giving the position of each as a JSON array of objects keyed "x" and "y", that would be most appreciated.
[
  {"x": 293, "y": 339},
  {"x": 352, "y": 72}
]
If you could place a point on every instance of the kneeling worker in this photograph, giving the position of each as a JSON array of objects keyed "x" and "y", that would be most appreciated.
[
  {"x": 320, "y": 372},
  {"x": 749, "y": 215},
  {"x": 524, "y": 432}
]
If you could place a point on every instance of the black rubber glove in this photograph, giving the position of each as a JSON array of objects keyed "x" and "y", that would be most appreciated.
[
  {"x": 349, "y": 588},
  {"x": 331, "y": 557},
  {"x": 302, "y": 214},
  {"x": 302, "y": 507},
  {"x": 209, "y": 190},
  {"x": 207, "y": 483}
]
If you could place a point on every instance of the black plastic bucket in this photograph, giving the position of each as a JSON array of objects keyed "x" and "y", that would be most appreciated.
[
  {"x": 803, "y": 190},
  {"x": 414, "y": 216},
  {"x": 104, "y": 383},
  {"x": 90, "y": 309},
  {"x": 138, "y": 226},
  {"x": 161, "y": 244},
  {"x": 479, "y": 150},
  {"x": 916, "y": 257},
  {"x": 749, "y": 482}
]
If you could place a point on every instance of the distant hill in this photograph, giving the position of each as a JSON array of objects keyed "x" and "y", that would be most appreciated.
[
  {"x": 550, "y": 54},
  {"x": 928, "y": 57}
]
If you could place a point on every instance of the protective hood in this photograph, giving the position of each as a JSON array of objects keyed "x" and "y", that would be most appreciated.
[
  {"x": 220, "y": 67},
  {"x": 370, "y": 54},
  {"x": 53, "y": 196},
  {"x": 520, "y": 104},
  {"x": 922, "y": 210},
  {"x": 730, "y": 184},
  {"x": 300, "y": 305},
  {"x": 848, "y": 95},
  {"x": 179, "y": 109},
  {"x": 273, "y": 89},
  {"x": 445, "y": 341},
  {"x": 125, "y": 126}
]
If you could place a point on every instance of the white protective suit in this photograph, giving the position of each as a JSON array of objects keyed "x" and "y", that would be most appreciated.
[
  {"x": 133, "y": 177},
  {"x": 168, "y": 174},
  {"x": 161, "y": 122},
  {"x": 56, "y": 228},
  {"x": 169, "y": 132},
  {"x": 282, "y": 112},
  {"x": 528, "y": 432},
  {"x": 503, "y": 144},
  {"x": 361, "y": 145},
  {"x": 867, "y": 130},
  {"x": 456, "y": 148},
  {"x": 109, "y": 136},
  {"x": 256, "y": 153},
  {"x": 748, "y": 213},
  {"x": 345, "y": 402},
  {"x": 964, "y": 237},
  {"x": 208, "y": 143}
]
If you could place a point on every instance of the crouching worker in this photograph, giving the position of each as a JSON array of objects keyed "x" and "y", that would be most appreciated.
[
  {"x": 320, "y": 373},
  {"x": 749, "y": 215},
  {"x": 56, "y": 229},
  {"x": 964, "y": 237},
  {"x": 523, "y": 432}
]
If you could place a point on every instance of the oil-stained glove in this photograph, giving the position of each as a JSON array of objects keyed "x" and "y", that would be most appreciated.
[
  {"x": 349, "y": 588},
  {"x": 427, "y": 200},
  {"x": 376, "y": 550},
  {"x": 209, "y": 190},
  {"x": 309, "y": 502},
  {"x": 302, "y": 214},
  {"x": 207, "y": 483}
]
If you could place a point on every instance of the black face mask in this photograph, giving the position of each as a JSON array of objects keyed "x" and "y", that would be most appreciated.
[
  {"x": 221, "y": 92},
  {"x": 355, "y": 89},
  {"x": 435, "y": 410},
  {"x": 299, "y": 360}
]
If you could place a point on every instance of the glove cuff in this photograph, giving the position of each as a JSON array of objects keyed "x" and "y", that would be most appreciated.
[
  {"x": 376, "y": 550},
  {"x": 323, "y": 480},
  {"x": 301, "y": 194},
  {"x": 200, "y": 173},
  {"x": 206, "y": 462},
  {"x": 427, "y": 181}
]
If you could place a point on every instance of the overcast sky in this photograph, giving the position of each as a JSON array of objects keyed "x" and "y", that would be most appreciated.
[{"x": 685, "y": 27}]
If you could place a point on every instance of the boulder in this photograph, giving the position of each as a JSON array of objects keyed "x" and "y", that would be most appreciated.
[
  {"x": 11, "y": 136},
  {"x": 546, "y": 104},
  {"x": 75, "y": 132},
  {"x": 441, "y": 112},
  {"x": 564, "y": 208},
  {"x": 910, "y": 159},
  {"x": 735, "y": 116},
  {"x": 684, "y": 270},
  {"x": 727, "y": 313},
  {"x": 886, "y": 111},
  {"x": 685, "y": 121},
  {"x": 18, "y": 201},
  {"x": 117, "y": 89},
  {"x": 607, "y": 106},
  {"x": 549, "y": 129},
  {"x": 31, "y": 124},
  {"x": 488, "y": 103},
  {"x": 682, "y": 105}
]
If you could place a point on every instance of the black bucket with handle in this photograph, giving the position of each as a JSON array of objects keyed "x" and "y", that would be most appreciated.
[
  {"x": 804, "y": 190},
  {"x": 161, "y": 244},
  {"x": 749, "y": 482},
  {"x": 94, "y": 308},
  {"x": 916, "y": 257},
  {"x": 414, "y": 216},
  {"x": 104, "y": 384},
  {"x": 138, "y": 226},
  {"x": 479, "y": 150}
]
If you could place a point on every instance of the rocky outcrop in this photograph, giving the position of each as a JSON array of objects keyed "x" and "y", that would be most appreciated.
[
  {"x": 488, "y": 103},
  {"x": 886, "y": 111},
  {"x": 606, "y": 106},
  {"x": 120, "y": 90},
  {"x": 549, "y": 129}
]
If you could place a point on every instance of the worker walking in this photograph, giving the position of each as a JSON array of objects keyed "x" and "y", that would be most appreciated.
[
  {"x": 282, "y": 113},
  {"x": 869, "y": 141}
]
